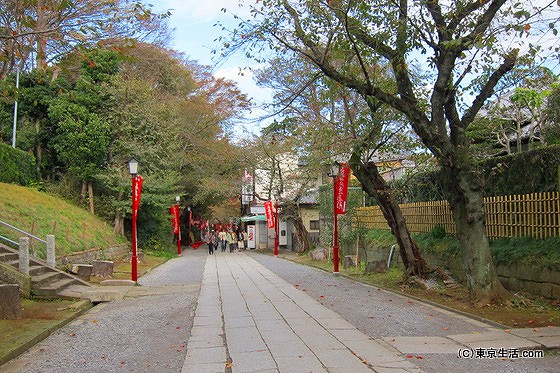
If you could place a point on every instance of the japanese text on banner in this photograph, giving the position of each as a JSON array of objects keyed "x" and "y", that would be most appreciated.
[
  {"x": 269, "y": 214},
  {"x": 341, "y": 188}
]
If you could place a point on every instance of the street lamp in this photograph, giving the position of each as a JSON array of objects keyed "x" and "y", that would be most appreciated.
[
  {"x": 178, "y": 200},
  {"x": 335, "y": 168},
  {"x": 133, "y": 170},
  {"x": 276, "y": 225}
]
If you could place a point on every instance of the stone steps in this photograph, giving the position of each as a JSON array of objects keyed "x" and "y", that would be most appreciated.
[{"x": 46, "y": 281}]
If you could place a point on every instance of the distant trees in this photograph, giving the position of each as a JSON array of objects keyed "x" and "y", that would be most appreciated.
[
  {"x": 87, "y": 115},
  {"x": 35, "y": 34}
]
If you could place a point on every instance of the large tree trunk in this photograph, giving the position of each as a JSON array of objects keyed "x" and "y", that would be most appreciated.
[
  {"x": 292, "y": 211},
  {"x": 465, "y": 198},
  {"x": 375, "y": 186},
  {"x": 301, "y": 234},
  {"x": 119, "y": 223},
  {"x": 90, "y": 195}
]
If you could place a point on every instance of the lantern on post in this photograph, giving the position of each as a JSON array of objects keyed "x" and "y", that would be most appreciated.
[{"x": 136, "y": 192}]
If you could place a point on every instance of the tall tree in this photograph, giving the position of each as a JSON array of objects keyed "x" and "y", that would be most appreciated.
[
  {"x": 329, "y": 122},
  {"x": 174, "y": 117},
  {"x": 349, "y": 39},
  {"x": 83, "y": 126},
  {"x": 44, "y": 30}
]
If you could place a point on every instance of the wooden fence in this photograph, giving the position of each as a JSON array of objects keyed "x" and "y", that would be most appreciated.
[{"x": 534, "y": 215}]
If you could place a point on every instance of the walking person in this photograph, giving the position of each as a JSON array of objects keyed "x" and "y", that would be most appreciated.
[
  {"x": 241, "y": 240},
  {"x": 231, "y": 240},
  {"x": 212, "y": 242},
  {"x": 223, "y": 239}
]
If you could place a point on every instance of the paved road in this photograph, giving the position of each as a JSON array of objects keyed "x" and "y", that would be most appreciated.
[
  {"x": 146, "y": 333},
  {"x": 151, "y": 329},
  {"x": 418, "y": 330}
]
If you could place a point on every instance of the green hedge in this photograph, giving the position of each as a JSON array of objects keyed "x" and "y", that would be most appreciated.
[
  {"x": 16, "y": 166},
  {"x": 521, "y": 173}
]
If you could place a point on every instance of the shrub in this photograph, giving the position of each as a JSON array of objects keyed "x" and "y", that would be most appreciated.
[{"x": 17, "y": 166}]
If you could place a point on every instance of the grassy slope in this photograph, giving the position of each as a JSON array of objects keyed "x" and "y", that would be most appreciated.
[{"x": 41, "y": 214}]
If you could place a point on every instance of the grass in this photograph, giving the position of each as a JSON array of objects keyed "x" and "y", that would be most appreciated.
[{"x": 41, "y": 214}]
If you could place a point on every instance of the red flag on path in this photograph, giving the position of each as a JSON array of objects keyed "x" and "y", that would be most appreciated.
[
  {"x": 341, "y": 188},
  {"x": 269, "y": 214}
]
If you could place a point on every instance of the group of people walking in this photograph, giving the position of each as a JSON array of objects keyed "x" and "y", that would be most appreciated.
[{"x": 234, "y": 240}]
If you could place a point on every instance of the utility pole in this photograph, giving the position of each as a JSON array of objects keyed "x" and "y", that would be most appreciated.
[{"x": 14, "y": 126}]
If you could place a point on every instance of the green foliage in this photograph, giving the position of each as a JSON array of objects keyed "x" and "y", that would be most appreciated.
[
  {"x": 519, "y": 173},
  {"x": 438, "y": 243},
  {"x": 346, "y": 234},
  {"x": 17, "y": 166},
  {"x": 543, "y": 253}
]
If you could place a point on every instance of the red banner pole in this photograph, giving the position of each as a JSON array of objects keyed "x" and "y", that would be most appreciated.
[
  {"x": 134, "y": 257},
  {"x": 276, "y": 231},
  {"x": 335, "y": 239},
  {"x": 179, "y": 228}
]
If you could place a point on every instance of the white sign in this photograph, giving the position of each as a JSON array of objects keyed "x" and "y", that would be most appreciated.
[{"x": 251, "y": 236}]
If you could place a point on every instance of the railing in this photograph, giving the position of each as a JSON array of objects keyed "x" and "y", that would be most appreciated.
[
  {"x": 535, "y": 215},
  {"x": 23, "y": 246}
]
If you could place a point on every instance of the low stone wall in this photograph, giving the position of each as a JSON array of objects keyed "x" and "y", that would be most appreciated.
[
  {"x": 535, "y": 280},
  {"x": 94, "y": 254},
  {"x": 10, "y": 275}
]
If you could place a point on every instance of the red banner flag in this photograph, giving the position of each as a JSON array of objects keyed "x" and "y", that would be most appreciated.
[
  {"x": 136, "y": 192},
  {"x": 174, "y": 211},
  {"x": 269, "y": 213},
  {"x": 341, "y": 188}
]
